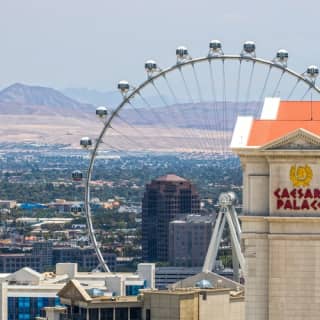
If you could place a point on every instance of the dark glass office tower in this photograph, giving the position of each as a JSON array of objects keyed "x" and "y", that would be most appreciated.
[{"x": 165, "y": 199}]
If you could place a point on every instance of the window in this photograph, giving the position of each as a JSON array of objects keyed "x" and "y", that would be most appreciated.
[
  {"x": 106, "y": 314},
  {"x": 121, "y": 313},
  {"x": 93, "y": 314},
  {"x": 148, "y": 314},
  {"x": 135, "y": 314}
]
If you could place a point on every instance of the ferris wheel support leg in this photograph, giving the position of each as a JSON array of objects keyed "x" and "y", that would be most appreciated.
[
  {"x": 235, "y": 263},
  {"x": 235, "y": 220},
  {"x": 209, "y": 257},
  {"x": 235, "y": 241},
  {"x": 214, "y": 243},
  {"x": 217, "y": 245}
]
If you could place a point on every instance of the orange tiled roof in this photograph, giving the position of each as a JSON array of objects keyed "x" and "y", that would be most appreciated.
[
  {"x": 265, "y": 131},
  {"x": 292, "y": 115}
]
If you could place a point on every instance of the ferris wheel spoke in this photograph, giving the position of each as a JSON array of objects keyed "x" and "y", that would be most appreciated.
[
  {"x": 215, "y": 107},
  {"x": 164, "y": 101},
  {"x": 156, "y": 115},
  {"x": 180, "y": 114},
  {"x": 213, "y": 87},
  {"x": 250, "y": 83},
  {"x": 186, "y": 86},
  {"x": 170, "y": 89},
  {"x": 197, "y": 83},
  {"x": 265, "y": 83},
  {"x": 278, "y": 84},
  {"x": 176, "y": 117},
  {"x": 264, "y": 88},
  {"x": 224, "y": 112},
  {"x": 306, "y": 92},
  {"x": 138, "y": 131},
  {"x": 111, "y": 147},
  {"x": 205, "y": 119},
  {"x": 238, "y": 82},
  {"x": 139, "y": 113},
  {"x": 154, "y": 128},
  {"x": 129, "y": 139},
  {"x": 293, "y": 89}
]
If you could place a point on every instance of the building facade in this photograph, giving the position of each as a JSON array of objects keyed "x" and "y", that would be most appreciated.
[
  {"x": 280, "y": 156},
  {"x": 25, "y": 293},
  {"x": 165, "y": 199},
  {"x": 202, "y": 300},
  {"x": 86, "y": 258},
  {"x": 189, "y": 239},
  {"x": 44, "y": 257}
]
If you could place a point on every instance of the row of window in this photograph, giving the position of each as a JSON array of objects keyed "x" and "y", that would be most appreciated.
[{"x": 25, "y": 308}]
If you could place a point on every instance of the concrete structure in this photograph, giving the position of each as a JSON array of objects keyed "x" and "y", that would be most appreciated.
[
  {"x": 8, "y": 204},
  {"x": 25, "y": 293},
  {"x": 189, "y": 238},
  {"x": 280, "y": 156},
  {"x": 202, "y": 301},
  {"x": 166, "y": 276},
  {"x": 147, "y": 271},
  {"x": 165, "y": 199}
]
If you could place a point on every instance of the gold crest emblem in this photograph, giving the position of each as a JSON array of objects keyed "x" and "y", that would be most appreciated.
[{"x": 301, "y": 176}]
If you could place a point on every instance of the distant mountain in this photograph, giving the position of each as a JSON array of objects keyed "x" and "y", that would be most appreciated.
[
  {"x": 24, "y": 99},
  {"x": 98, "y": 98},
  {"x": 210, "y": 116},
  {"x": 44, "y": 115},
  {"x": 110, "y": 99}
]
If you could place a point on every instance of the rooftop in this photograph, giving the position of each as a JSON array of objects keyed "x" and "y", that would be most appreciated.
[
  {"x": 171, "y": 178},
  {"x": 195, "y": 218},
  {"x": 278, "y": 119}
]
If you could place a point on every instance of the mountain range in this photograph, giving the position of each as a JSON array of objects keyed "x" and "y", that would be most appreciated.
[
  {"x": 20, "y": 99},
  {"x": 41, "y": 114}
]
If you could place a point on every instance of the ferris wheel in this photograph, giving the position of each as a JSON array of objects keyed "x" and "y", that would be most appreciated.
[{"x": 191, "y": 107}]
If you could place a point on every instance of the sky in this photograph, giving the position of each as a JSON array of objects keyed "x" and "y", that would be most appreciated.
[{"x": 95, "y": 43}]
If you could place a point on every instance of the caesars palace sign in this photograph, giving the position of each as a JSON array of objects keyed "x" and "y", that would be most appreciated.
[{"x": 300, "y": 196}]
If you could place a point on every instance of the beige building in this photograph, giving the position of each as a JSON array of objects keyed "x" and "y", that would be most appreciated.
[
  {"x": 209, "y": 296},
  {"x": 25, "y": 293},
  {"x": 280, "y": 157}
]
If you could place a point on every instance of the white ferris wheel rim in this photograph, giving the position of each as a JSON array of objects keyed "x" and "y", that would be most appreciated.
[{"x": 162, "y": 73}]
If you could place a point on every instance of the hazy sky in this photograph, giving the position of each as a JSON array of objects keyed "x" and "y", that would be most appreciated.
[{"x": 95, "y": 43}]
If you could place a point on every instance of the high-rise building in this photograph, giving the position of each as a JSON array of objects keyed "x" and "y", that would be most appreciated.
[
  {"x": 165, "y": 199},
  {"x": 44, "y": 251},
  {"x": 189, "y": 240}
]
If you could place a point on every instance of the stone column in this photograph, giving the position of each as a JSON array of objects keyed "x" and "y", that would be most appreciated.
[{"x": 3, "y": 301}]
